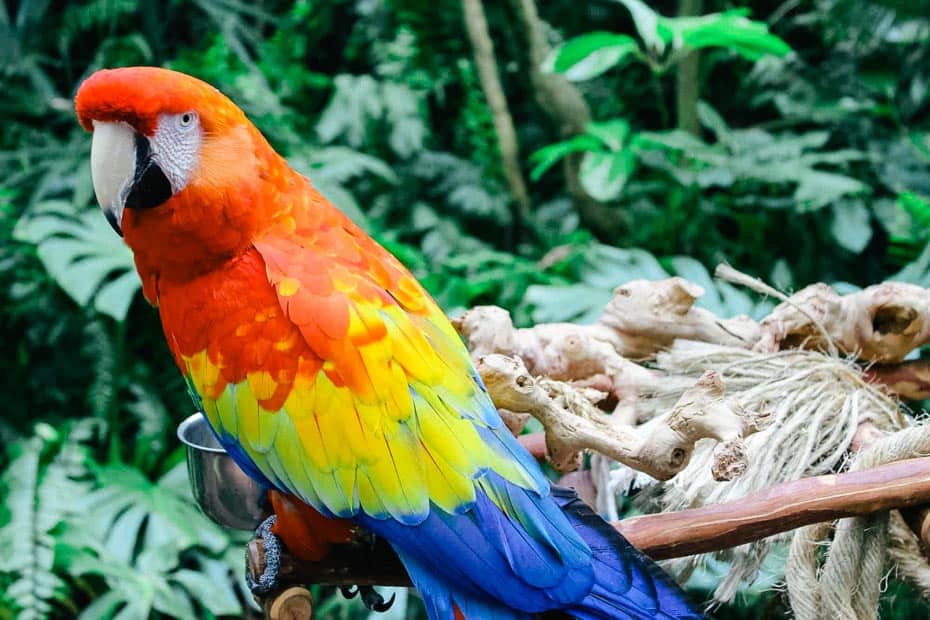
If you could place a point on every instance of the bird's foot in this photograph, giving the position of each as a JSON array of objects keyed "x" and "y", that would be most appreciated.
[
  {"x": 267, "y": 582},
  {"x": 371, "y": 598}
]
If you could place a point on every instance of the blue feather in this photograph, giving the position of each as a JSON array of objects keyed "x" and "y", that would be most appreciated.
[
  {"x": 487, "y": 552},
  {"x": 440, "y": 598},
  {"x": 627, "y": 583},
  {"x": 516, "y": 553}
]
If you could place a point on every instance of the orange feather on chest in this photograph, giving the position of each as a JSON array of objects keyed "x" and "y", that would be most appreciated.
[{"x": 233, "y": 315}]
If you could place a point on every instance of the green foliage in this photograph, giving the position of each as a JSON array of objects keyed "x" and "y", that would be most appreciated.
[
  {"x": 812, "y": 163},
  {"x": 46, "y": 472},
  {"x": 594, "y": 270},
  {"x": 80, "y": 252},
  {"x": 147, "y": 543},
  {"x": 589, "y": 55},
  {"x": 665, "y": 41},
  {"x": 607, "y": 162}
]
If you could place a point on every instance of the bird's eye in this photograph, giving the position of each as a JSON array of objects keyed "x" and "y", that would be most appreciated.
[{"x": 187, "y": 119}]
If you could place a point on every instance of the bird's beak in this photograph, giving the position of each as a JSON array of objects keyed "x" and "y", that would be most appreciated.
[{"x": 124, "y": 172}]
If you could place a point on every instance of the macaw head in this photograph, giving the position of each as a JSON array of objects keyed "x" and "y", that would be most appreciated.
[{"x": 177, "y": 168}]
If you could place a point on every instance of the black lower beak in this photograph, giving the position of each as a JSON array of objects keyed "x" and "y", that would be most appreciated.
[
  {"x": 150, "y": 187},
  {"x": 113, "y": 221}
]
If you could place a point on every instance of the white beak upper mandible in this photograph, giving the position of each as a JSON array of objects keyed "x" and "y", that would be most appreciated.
[{"x": 112, "y": 166}]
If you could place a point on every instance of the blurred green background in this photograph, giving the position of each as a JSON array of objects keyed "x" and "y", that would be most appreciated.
[{"x": 790, "y": 139}]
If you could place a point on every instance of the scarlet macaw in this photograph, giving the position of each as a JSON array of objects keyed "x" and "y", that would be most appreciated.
[{"x": 331, "y": 376}]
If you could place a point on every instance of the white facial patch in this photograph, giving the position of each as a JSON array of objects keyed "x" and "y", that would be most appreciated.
[{"x": 176, "y": 146}]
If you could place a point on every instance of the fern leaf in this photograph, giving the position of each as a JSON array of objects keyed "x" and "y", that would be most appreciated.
[{"x": 38, "y": 498}]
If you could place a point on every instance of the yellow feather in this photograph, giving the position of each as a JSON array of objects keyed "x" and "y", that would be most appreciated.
[
  {"x": 410, "y": 348},
  {"x": 210, "y": 410},
  {"x": 339, "y": 423},
  {"x": 299, "y": 406},
  {"x": 330, "y": 487},
  {"x": 398, "y": 474},
  {"x": 345, "y": 478},
  {"x": 226, "y": 409},
  {"x": 262, "y": 384},
  {"x": 287, "y": 287},
  {"x": 290, "y": 455},
  {"x": 203, "y": 372},
  {"x": 260, "y": 459},
  {"x": 449, "y": 439},
  {"x": 257, "y": 427},
  {"x": 376, "y": 420},
  {"x": 400, "y": 403},
  {"x": 267, "y": 428},
  {"x": 369, "y": 498},
  {"x": 301, "y": 400},
  {"x": 247, "y": 413},
  {"x": 448, "y": 489}
]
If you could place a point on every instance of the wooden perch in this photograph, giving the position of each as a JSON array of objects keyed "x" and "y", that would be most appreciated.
[
  {"x": 783, "y": 507},
  {"x": 778, "y": 509},
  {"x": 573, "y": 424}
]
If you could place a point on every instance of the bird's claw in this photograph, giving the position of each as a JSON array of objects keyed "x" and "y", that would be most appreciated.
[
  {"x": 268, "y": 580},
  {"x": 371, "y": 598}
]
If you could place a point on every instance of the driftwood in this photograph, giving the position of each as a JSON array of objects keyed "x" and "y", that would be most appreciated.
[
  {"x": 642, "y": 318},
  {"x": 565, "y": 374},
  {"x": 573, "y": 424},
  {"x": 908, "y": 380},
  {"x": 881, "y": 323}
]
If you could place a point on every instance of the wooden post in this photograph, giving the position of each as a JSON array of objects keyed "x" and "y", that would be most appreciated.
[{"x": 293, "y": 604}]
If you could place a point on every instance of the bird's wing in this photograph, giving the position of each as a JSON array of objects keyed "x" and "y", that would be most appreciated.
[{"x": 394, "y": 417}]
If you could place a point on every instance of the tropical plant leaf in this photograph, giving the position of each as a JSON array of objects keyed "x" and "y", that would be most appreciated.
[
  {"x": 40, "y": 488},
  {"x": 613, "y": 133},
  {"x": 548, "y": 156},
  {"x": 129, "y": 512},
  {"x": 851, "y": 225},
  {"x": 647, "y": 25},
  {"x": 730, "y": 30},
  {"x": 83, "y": 255},
  {"x": 132, "y": 532},
  {"x": 604, "y": 175},
  {"x": 590, "y": 55},
  {"x": 603, "y": 268}
]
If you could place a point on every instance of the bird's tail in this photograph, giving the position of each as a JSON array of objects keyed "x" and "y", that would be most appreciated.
[{"x": 627, "y": 583}]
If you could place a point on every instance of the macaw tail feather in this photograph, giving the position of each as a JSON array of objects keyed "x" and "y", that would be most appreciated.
[
  {"x": 444, "y": 602},
  {"x": 485, "y": 564},
  {"x": 627, "y": 584}
]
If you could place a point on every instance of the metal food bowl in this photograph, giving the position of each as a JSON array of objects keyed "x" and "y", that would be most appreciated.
[{"x": 222, "y": 490}]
